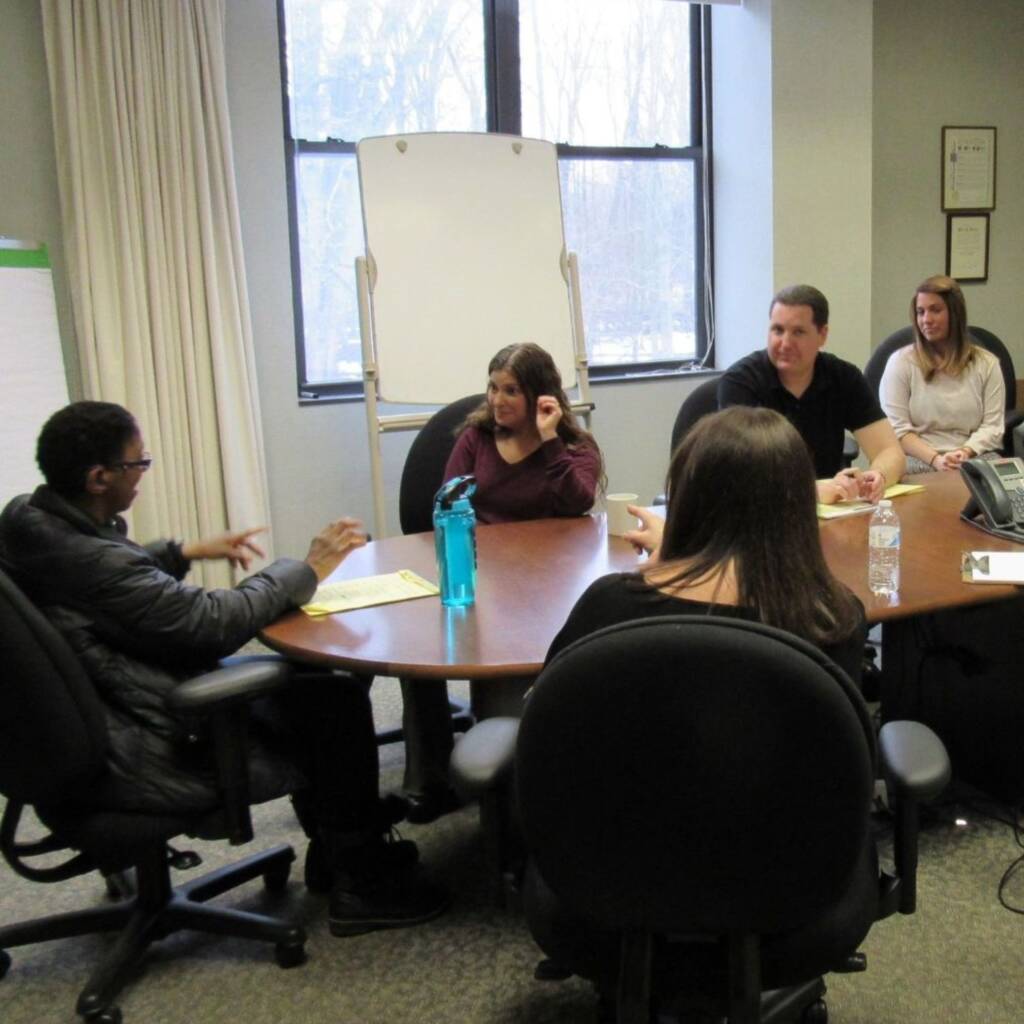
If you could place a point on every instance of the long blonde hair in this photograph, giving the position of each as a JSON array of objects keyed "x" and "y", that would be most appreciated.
[{"x": 958, "y": 354}]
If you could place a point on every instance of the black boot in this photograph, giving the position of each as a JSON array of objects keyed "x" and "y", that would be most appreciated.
[
  {"x": 319, "y": 867},
  {"x": 379, "y": 884}
]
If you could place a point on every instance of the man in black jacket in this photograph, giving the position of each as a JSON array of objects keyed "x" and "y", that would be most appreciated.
[{"x": 140, "y": 630}]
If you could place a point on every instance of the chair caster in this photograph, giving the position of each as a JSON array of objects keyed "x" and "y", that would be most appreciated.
[
  {"x": 5, "y": 963},
  {"x": 551, "y": 970},
  {"x": 290, "y": 956},
  {"x": 120, "y": 885},
  {"x": 108, "y": 1015},
  {"x": 853, "y": 964},
  {"x": 816, "y": 1013},
  {"x": 276, "y": 878}
]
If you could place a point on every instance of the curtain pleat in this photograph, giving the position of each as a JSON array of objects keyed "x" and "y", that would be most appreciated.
[{"x": 154, "y": 252}]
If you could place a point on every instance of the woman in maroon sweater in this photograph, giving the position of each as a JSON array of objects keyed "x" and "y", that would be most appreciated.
[{"x": 530, "y": 457}]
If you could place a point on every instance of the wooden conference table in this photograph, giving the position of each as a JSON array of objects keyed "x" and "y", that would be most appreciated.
[{"x": 530, "y": 575}]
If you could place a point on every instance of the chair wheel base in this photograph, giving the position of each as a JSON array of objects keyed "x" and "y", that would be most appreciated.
[
  {"x": 108, "y": 1015},
  {"x": 276, "y": 880},
  {"x": 290, "y": 956},
  {"x": 816, "y": 1013}
]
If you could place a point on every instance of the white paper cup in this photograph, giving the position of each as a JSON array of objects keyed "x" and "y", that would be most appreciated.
[{"x": 619, "y": 520}]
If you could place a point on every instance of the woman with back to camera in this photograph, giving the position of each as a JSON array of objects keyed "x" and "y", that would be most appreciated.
[
  {"x": 740, "y": 540},
  {"x": 530, "y": 456},
  {"x": 740, "y": 519},
  {"x": 943, "y": 393}
]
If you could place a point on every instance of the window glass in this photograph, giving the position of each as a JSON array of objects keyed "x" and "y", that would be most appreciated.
[
  {"x": 606, "y": 72},
  {"x": 377, "y": 67},
  {"x": 602, "y": 75},
  {"x": 330, "y": 226},
  {"x": 632, "y": 224}
]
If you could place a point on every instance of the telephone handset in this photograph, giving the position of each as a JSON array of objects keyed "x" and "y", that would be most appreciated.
[{"x": 996, "y": 504}]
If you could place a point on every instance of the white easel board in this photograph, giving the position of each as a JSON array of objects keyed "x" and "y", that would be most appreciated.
[
  {"x": 454, "y": 275},
  {"x": 32, "y": 385}
]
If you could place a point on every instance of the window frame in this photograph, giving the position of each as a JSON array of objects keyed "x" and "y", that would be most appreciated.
[{"x": 504, "y": 114}]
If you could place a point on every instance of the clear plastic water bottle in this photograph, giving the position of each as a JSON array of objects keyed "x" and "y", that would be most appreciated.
[
  {"x": 455, "y": 541},
  {"x": 884, "y": 550}
]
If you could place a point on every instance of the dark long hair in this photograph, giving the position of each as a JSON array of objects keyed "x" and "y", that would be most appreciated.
[
  {"x": 741, "y": 489},
  {"x": 536, "y": 373},
  {"x": 960, "y": 350}
]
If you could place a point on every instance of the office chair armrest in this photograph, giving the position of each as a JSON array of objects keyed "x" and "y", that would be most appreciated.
[
  {"x": 482, "y": 760},
  {"x": 236, "y": 684},
  {"x": 914, "y": 761},
  {"x": 916, "y": 767},
  {"x": 222, "y": 697}
]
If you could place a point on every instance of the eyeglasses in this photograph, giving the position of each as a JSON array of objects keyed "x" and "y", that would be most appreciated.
[{"x": 144, "y": 463}]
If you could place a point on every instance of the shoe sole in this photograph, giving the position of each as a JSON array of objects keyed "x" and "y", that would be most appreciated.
[{"x": 342, "y": 929}]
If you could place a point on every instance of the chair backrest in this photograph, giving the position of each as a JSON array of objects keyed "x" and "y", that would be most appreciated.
[
  {"x": 423, "y": 472},
  {"x": 53, "y": 732},
  {"x": 699, "y": 402},
  {"x": 875, "y": 366},
  {"x": 698, "y": 774}
]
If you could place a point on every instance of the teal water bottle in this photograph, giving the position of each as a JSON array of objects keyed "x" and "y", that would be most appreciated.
[{"x": 455, "y": 541}]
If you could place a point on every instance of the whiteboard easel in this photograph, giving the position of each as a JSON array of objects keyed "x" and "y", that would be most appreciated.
[
  {"x": 33, "y": 384},
  {"x": 465, "y": 254}
]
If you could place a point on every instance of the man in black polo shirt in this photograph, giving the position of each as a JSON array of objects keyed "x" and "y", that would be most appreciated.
[{"x": 821, "y": 395}]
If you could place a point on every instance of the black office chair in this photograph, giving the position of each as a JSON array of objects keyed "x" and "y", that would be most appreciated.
[
  {"x": 423, "y": 472},
  {"x": 716, "y": 854},
  {"x": 703, "y": 400},
  {"x": 699, "y": 402},
  {"x": 875, "y": 367},
  {"x": 53, "y": 738},
  {"x": 422, "y": 476}
]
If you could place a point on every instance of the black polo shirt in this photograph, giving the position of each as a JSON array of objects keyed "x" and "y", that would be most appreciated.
[{"x": 838, "y": 399}]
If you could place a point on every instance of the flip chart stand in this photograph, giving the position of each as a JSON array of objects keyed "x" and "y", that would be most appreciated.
[{"x": 465, "y": 254}]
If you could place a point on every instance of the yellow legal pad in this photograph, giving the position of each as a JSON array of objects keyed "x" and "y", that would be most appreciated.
[
  {"x": 856, "y": 507},
  {"x": 388, "y": 588}
]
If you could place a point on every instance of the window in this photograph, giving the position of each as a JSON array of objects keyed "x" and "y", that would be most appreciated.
[{"x": 616, "y": 85}]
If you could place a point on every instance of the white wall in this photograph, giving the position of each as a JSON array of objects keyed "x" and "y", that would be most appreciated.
[
  {"x": 29, "y": 205},
  {"x": 792, "y": 165},
  {"x": 741, "y": 67},
  {"x": 946, "y": 62},
  {"x": 821, "y": 96}
]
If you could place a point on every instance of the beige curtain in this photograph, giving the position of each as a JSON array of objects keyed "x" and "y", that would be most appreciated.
[{"x": 154, "y": 253}]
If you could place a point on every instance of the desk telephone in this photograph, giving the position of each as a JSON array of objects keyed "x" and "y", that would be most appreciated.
[{"x": 996, "y": 504}]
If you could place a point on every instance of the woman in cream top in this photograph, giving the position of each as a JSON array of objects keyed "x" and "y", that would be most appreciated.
[{"x": 943, "y": 393}]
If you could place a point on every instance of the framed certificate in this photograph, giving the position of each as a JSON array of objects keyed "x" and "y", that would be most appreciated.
[
  {"x": 967, "y": 246},
  {"x": 968, "y": 168}
]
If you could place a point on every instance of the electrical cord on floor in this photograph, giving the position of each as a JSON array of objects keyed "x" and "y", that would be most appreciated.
[{"x": 1013, "y": 867}]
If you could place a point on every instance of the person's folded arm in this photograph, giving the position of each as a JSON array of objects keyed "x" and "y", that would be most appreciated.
[
  {"x": 988, "y": 437},
  {"x": 886, "y": 461}
]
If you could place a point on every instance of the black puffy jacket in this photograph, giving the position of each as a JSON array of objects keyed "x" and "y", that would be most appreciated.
[{"x": 140, "y": 631}]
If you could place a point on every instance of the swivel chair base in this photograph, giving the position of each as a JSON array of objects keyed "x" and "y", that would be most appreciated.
[{"x": 156, "y": 912}]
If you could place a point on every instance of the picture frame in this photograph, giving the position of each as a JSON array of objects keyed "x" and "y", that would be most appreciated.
[
  {"x": 968, "y": 167},
  {"x": 967, "y": 246}
]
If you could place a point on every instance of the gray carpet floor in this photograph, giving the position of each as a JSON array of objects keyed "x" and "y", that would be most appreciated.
[{"x": 957, "y": 959}]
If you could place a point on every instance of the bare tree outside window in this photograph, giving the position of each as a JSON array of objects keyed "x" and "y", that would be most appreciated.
[{"x": 611, "y": 82}]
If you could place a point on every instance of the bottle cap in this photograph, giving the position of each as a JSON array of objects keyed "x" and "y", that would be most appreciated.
[{"x": 885, "y": 503}]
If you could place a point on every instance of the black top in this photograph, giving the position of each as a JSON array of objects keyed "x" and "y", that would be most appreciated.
[
  {"x": 623, "y": 597},
  {"x": 838, "y": 399}
]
